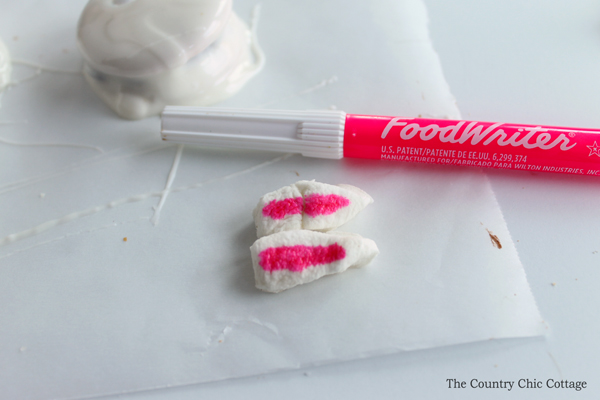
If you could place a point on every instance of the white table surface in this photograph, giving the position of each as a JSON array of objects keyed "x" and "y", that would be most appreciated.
[{"x": 531, "y": 62}]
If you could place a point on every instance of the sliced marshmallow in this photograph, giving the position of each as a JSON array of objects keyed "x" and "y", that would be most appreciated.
[
  {"x": 286, "y": 259},
  {"x": 279, "y": 211},
  {"x": 308, "y": 205},
  {"x": 328, "y": 206},
  {"x": 141, "y": 55}
]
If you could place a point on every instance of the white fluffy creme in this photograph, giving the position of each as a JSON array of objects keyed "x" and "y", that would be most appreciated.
[
  {"x": 141, "y": 55},
  {"x": 290, "y": 251},
  {"x": 287, "y": 259},
  {"x": 308, "y": 205}
]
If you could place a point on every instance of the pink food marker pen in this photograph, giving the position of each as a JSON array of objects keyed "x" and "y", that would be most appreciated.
[{"x": 335, "y": 134}]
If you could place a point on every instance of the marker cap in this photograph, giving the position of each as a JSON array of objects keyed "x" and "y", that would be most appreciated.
[{"x": 318, "y": 133}]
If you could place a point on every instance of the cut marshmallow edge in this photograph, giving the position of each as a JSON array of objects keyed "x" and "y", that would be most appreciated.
[
  {"x": 308, "y": 205},
  {"x": 290, "y": 258}
]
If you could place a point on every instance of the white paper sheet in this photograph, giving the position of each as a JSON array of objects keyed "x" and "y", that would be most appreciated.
[{"x": 83, "y": 312}]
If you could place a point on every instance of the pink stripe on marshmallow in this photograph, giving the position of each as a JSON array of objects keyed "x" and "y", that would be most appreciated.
[
  {"x": 298, "y": 258},
  {"x": 279, "y": 209},
  {"x": 318, "y": 204}
]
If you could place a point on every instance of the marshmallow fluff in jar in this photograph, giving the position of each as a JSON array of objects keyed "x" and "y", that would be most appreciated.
[{"x": 141, "y": 55}]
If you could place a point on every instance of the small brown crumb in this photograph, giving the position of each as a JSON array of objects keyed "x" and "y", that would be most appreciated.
[
  {"x": 553, "y": 283},
  {"x": 495, "y": 365},
  {"x": 220, "y": 341},
  {"x": 125, "y": 239},
  {"x": 297, "y": 174},
  {"x": 495, "y": 241},
  {"x": 15, "y": 38}
]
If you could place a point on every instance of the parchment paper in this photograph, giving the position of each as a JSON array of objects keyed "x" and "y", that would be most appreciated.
[{"x": 85, "y": 312}]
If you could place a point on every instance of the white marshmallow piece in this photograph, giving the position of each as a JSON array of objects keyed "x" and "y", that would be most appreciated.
[
  {"x": 324, "y": 207},
  {"x": 141, "y": 55},
  {"x": 357, "y": 200},
  {"x": 275, "y": 211},
  {"x": 287, "y": 259}
]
